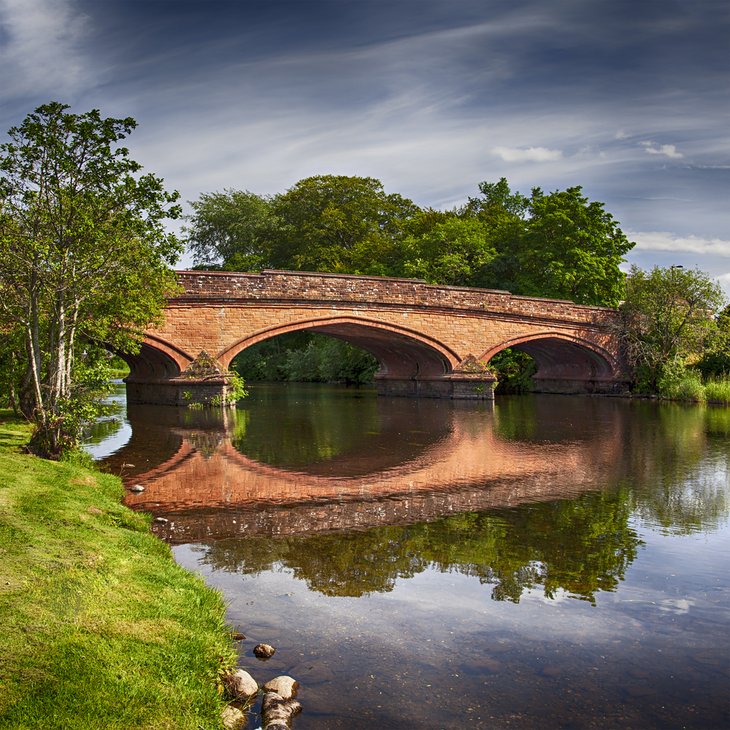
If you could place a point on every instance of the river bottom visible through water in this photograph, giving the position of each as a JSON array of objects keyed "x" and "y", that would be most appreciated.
[{"x": 543, "y": 562}]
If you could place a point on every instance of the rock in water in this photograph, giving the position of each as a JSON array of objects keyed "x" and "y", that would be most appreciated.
[
  {"x": 286, "y": 687},
  {"x": 277, "y": 713},
  {"x": 240, "y": 685},
  {"x": 233, "y": 718},
  {"x": 263, "y": 651}
]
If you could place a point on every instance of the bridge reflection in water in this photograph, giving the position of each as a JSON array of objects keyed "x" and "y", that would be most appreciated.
[{"x": 212, "y": 477}]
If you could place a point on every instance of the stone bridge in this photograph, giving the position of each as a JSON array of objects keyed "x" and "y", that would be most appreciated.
[{"x": 432, "y": 341}]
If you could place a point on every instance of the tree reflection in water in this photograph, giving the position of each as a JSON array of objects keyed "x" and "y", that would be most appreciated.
[{"x": 578, "y": 547}]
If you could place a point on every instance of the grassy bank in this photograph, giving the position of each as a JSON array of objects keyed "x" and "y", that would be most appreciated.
[{"x": 100, "y": 627}]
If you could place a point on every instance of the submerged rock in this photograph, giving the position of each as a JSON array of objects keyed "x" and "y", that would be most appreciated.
[
  {"x": 277, "y": 713},
  {"x": 263, "y": 651},
  {"x": 286, "y": 687}
]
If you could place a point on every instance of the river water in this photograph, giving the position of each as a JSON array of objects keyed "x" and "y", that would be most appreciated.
[{"x": 543, "y": 562}]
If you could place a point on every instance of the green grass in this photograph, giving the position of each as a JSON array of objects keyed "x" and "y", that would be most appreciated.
[
  {"x": 100, "y": 627},
  {"x": 717, "y": 390}
]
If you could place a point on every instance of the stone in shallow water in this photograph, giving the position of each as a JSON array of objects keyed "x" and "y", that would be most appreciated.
[
  {"x": 277, "y": 713},
  {"x": 233, "y": 718},
  {"x": 284, "y": 686},
  {"x": 263, "y": 651},
  {"x": 240, "y": 685}
]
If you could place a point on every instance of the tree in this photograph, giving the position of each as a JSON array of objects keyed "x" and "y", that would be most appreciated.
[
  {"x": 715, "y": 359},
  {"x": 234, "y": 229},
  {"x": 445, "y": 248},
  {"x": 330, "y": 223},
  {"x": 556, "y": 245},
  {"x": 572, "y": 249},
  {"x": 667, "y": 317},
  {"x": 83, "y": 258},
  {"x": 340, "y": 224}
]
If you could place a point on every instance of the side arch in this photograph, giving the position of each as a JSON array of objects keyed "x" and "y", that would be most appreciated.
[
  {"x": 157, "y": 360},
  {"x": 566, "y": 363},
  {"x": 401, "y": 352}
]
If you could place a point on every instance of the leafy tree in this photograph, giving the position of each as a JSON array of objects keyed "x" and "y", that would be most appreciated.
[
  {"x": 715, "y": 360},
  {"x": 667, "y": 316},
  {"x": 556, "y": 245},
  {"x": 342, "y": 224},
  {"x": 331, "y": 223},
  {"x": 445, "y": 248},
  {"x": 235, "y": 229},
  {"x": 83, "y": 257}
]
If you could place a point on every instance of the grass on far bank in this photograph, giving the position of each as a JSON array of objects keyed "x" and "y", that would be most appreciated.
[
  {"x": 100, "y": 627},
  {"x": 717, "y": 390}
]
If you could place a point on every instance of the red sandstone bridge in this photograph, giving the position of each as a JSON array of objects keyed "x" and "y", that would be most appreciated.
[{"x": 433, "y": 341}]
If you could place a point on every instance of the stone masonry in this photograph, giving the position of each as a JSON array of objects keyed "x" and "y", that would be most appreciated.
[{"x": 430, "y": 340}]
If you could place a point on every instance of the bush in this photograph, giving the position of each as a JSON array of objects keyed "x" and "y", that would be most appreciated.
[
  {"x": 717, "y": 390},
  {"x": 678, "y": 382}
]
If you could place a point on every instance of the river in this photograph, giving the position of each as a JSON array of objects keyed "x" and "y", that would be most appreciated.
[{"x": 540, "y": 562}]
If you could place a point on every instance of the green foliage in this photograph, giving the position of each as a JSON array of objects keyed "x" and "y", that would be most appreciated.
[
  {"x": 717, "y": 390},
  {"x": 339, "y": 224},
  {"x": 556, "y": 245},
  {"x": 306, "y": 357},
  {"x": 678, "y": 382},
  {"x": 236, "y": 387},
  {"x": 83, "y": 258},
  {"x": 715, "y": 360},
  {"x": 445, "y": 248},
  {"x": 514, "y": 371},
  {"x": 234, "y": 226},
  {"x": 667, "y": 317}
]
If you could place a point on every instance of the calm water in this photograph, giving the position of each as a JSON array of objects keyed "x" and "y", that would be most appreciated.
[{"x": 548, "y": 562}]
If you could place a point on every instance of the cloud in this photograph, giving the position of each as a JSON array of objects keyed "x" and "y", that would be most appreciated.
[
  {"x": 529, "y": 154},
  {"x": 663, "y": 241},
  {"x": 666, "y": 150},
  {"x": 40, "y": 49}
]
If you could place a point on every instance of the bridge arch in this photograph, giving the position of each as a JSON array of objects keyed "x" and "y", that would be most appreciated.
[
  {"x": 564, "y": 362},
  {"x": 157, "y": 360},
  {"x": 401, "y": 352}
]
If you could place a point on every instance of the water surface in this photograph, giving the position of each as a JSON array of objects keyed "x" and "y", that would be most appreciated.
[{"x": 546, "y": 562}]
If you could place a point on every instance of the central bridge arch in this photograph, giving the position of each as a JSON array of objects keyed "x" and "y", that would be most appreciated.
[{"x": 401, "y": 352}]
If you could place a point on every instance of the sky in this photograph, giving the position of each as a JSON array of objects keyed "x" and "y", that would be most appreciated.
[{"x": 629, "y": 99}]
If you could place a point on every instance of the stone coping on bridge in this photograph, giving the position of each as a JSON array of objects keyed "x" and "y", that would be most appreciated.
[{"x": 297, "y": 286}]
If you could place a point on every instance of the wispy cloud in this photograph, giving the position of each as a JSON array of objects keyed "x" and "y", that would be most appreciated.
[
  {"x": 40, "y": 50},
  {"x": 663, "y": 241},
  {"x": 666, "y": 150},
  {"x": 527, "y": 154}
]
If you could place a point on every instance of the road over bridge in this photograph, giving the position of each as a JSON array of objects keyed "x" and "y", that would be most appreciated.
[{"x": 431, "y": 341}]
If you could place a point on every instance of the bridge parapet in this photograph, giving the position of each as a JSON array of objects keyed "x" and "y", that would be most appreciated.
[{"x": 305, "y": 286}]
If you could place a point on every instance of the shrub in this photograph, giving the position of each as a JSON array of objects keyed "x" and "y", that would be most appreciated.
[
  {"x": 718, "y": 390},
  {"x": 678, "y": 382}
]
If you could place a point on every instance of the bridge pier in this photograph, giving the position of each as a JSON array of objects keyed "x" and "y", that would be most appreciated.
[
  {"x": 580, "y": 386},
  {"x": 188, "y": 392},
  {"x": 457, "y": 387}
]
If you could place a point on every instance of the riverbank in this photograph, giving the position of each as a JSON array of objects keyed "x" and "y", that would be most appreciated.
[{"x": 100, "y": 627}]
